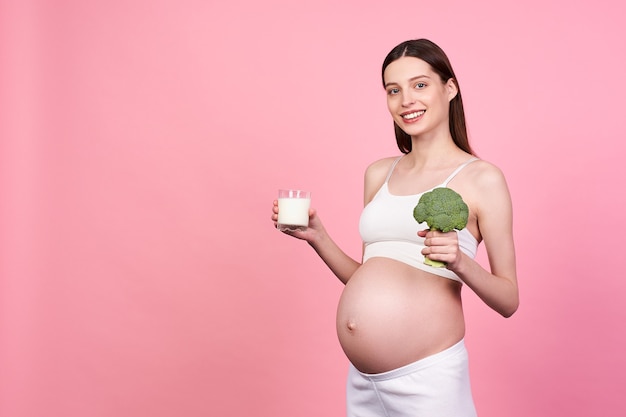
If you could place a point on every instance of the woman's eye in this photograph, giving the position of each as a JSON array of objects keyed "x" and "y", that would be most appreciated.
[
  {"x": 420, "y": 85},
  {"x": 393, "y": 91}
]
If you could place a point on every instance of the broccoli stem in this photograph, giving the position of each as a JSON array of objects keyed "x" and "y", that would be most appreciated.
[{"x": 434, "y": 264}]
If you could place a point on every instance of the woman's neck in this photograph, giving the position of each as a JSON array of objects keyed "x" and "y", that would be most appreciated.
[{"x": 434, "y": 150}]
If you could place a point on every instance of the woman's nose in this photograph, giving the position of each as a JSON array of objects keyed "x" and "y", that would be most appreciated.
[{"x": 408, "y": 100}]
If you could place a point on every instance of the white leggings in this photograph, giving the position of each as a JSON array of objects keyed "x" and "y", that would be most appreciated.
[{"x": 436, "y": 386}]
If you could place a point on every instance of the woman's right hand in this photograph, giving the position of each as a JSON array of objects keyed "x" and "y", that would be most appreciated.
[
  {"x": 312, "y": 232},
  {"x": 341, "y": 264}
]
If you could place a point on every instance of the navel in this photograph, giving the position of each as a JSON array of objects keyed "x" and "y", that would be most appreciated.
[{"x": 351, "y": 325}]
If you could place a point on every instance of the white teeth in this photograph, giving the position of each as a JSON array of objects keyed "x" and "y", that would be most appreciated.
[{"x": 413, "y": 115}]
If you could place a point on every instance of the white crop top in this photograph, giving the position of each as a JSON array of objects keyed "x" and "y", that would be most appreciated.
[{"x": 389, "y": 230}]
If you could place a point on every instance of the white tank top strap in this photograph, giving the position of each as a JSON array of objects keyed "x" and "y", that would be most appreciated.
[
  {"x": 392, "y": 167},
  {"x": 456, "y": 171}
]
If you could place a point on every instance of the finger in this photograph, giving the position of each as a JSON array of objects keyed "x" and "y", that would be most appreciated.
[{"x": 435, "y": 241}]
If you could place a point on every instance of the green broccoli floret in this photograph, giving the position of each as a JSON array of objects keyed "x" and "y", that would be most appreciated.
[{"x": 442, "y": 209}]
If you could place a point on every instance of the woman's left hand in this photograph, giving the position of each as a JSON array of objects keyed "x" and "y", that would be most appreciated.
[{"x": 442, "y": 247}]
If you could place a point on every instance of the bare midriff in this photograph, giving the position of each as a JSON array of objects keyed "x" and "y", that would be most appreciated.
[{"x": 391, "y": 314}]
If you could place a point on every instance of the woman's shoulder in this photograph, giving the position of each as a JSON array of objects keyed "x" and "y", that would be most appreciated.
[
  {"x": 484, "y": 185},
  {"x": 484, "y": 174},
  {"x": 380, "y": 166},
  {"x": 375, "y": 176}
]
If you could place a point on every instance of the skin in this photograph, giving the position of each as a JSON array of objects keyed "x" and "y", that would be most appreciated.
[{"x": 391, "y": 314}]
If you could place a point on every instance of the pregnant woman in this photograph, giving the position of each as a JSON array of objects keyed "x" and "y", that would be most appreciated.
[{"x": 400, "y": 322}]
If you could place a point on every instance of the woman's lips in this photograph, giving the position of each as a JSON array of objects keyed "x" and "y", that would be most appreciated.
[{"x": 412, "y": 116}]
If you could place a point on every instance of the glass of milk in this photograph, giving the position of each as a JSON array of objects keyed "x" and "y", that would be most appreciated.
[{"x": 293, "y": 210}]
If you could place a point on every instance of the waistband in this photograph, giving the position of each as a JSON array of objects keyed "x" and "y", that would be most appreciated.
[
  {"x": 405, "y": 252},
  {"x": 456, "y": 349}
]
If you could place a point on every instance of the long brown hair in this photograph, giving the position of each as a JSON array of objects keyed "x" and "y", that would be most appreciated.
[{"x": 434, "y": 56}]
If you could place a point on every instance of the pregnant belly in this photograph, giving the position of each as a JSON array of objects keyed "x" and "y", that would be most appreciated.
[{"x": 391, "y": 314}]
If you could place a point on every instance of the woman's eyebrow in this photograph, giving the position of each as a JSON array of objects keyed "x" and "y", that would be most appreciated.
[{"x": 417, "y": 77}]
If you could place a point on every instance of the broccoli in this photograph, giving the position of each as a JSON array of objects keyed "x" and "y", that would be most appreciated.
[{"x": 442, "y": 209}]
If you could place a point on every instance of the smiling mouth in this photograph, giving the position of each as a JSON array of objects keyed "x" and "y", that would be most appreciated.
[{"x": 413, "y": 115}]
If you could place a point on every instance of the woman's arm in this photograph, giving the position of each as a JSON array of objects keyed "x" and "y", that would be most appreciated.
[
  {"x": 488, "y": 197},
  {"x": 494, "y": 212},
  {"x": 336, "y": 259},
  {"x": 342, "y": 265}
]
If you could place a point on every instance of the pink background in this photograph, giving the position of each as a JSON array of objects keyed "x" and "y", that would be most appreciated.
[{"x": 142, "y": 143}]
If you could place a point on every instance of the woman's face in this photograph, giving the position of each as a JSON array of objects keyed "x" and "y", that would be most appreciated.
[{"x": 417, "y": 99}]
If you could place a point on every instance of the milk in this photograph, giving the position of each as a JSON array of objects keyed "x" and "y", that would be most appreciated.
[{"x": 293, "y": 213}]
